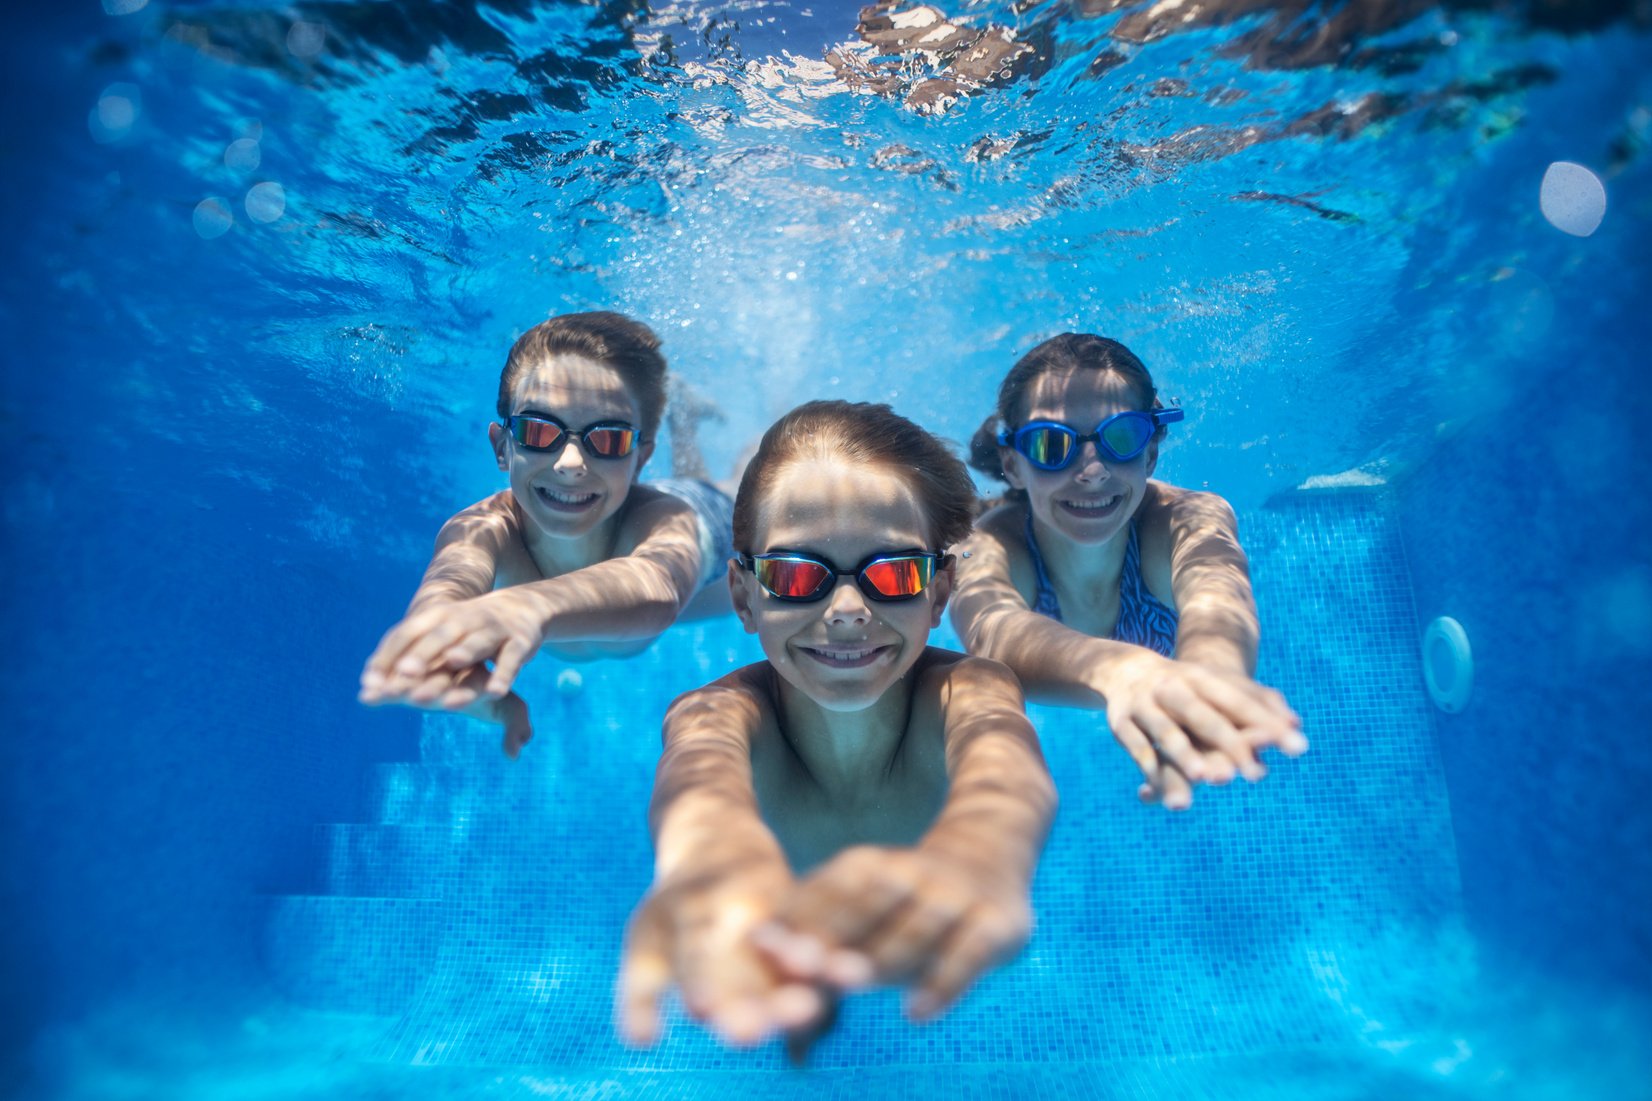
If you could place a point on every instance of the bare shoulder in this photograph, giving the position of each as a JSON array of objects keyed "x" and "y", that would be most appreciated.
[
  {"x": 1173, "y": 504},
  {"x": 737, "y": 705},
  {"x": 996, "y": 552},
  {"x": 496, "y": 511},
  {"x": 1004, "y": 523},
  {"x": 651, "y": 513},
  {"x": 947, "y": 671}
]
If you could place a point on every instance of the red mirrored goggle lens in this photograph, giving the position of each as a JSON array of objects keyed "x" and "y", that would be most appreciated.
[
  {"x": 537, "y": 435},
  {"x": 897, "y": 578},
  {"x": 608, "y": 441},
  {"x": 791, "y": 577}
]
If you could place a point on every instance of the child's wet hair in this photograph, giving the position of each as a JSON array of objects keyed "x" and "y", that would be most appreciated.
[
  {"x": 864, "y": 433},
  {"x": 1060, "y": 354},
  {"x": 612, "y": 339}
]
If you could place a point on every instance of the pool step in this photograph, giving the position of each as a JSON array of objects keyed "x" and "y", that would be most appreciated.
[
  {"x": 351, "y": 954},
  {"x": 406, "y": 792},
  {"x": 382, "y": 860}
]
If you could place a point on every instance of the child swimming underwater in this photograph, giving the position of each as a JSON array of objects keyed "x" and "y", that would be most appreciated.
[
  {"x": 860, "y": 807},
  {"x": 1100, "y": 587},
  {"x": 576, "y": 556}
]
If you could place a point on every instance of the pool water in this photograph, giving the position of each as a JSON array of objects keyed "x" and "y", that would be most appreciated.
[{"x": 266, "y": 262}]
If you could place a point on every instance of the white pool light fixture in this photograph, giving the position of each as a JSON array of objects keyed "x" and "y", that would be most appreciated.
[
  {"x": 1572, "y": 198},
  {"x": 1448, "y": 664}
]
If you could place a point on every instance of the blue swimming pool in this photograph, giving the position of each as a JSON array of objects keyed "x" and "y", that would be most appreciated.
[{"x": 264, "y": 265}]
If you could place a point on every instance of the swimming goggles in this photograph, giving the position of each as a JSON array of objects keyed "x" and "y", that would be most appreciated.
[
  {"x": 805, "y": 578},
  {"x": 605, "y": 440},
  {"x": 1121, "y": 437}
]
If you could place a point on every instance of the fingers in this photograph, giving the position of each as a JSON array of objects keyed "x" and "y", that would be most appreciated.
[
  {"x": 906, "y": 945},
  {"x": 841, "y": 904},
  {"x": 1135, "y": 742},
  {"x": 513, "y": 709},
  {"x": 512, "y": 656},
  {"x": 1172, "y": 742},
  {"x": 984, "y": 940},
  {"x": 376, "y": 673},
  {"x": 727, "y": 983},
  {"x": 645, "y": 974},
  {"x": 1259, "y": 711}
]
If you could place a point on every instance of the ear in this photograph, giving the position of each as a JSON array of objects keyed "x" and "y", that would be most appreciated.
[
  {"x": 644, "y": 453},
  {"x": 941, "y": 586},
  {"x": 1015, "y": 467},
  {"x": 1152, "y": 456},
  {"x": 740, "y": 595},
  {"x": 497, "y": 437}
]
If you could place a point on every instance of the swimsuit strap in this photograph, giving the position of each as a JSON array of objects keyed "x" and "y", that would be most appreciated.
[
  {"x": 1046, "y": 603},
  {"x": 1143, "y": 618}
]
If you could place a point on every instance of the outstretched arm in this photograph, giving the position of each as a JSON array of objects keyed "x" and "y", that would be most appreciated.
[
  {"x": 466, "y": 560},
  {"x": 719, "y": 873},
  {"x": 1209, "y": 576},
  {"x": 629, "y": 598},
  {"x": 939, "y": 915},
  {"x": 1180, "y": 723}
]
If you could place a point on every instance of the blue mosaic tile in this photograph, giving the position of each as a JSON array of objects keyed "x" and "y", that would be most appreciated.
[{"x": 1317, "y": 909}]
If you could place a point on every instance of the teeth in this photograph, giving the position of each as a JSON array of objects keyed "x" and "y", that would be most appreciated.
[
  {"x": 1108, "y": 503},
  {"x": 844, "y": 655},
  {"x": 566, "y": 498}
]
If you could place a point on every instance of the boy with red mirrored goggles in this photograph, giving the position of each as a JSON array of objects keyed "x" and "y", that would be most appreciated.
[{"x": 577, "y": 556}]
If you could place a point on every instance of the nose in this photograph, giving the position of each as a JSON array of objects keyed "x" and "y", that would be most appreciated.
[
  {"x": 847, "y": 604},
  {"x": 572, "y": 458},
  {"x": 1091, "y": 466}
]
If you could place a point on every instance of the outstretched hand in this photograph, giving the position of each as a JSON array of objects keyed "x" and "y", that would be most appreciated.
[
  {"x": 1184, "y": 723},
  {"x": 925, "y": 918},
  {"x": 465, "y": 693},
  {"x": 503, "y": 627},
  {"x": 694, "y": 932}
]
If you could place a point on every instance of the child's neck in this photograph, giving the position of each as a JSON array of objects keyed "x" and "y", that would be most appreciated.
[
  {"x": 846, "y": 753},
  {"x": 1078, "y": 567},
  {"x": 556, "y": 556}
]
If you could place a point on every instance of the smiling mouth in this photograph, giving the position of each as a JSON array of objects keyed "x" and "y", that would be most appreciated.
[
  {"x": 845, "y": 657},
  {"x": 563, "y": 501},
  {"x": 1094, "y": 508}
]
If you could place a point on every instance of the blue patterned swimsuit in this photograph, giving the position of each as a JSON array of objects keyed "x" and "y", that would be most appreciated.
[{"x": 1143, "y": 618}]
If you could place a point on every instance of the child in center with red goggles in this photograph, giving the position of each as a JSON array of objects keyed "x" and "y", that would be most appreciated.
[
  {"x": 859, "y": 807},
  {"x": 1100, "y": 587},
  {"x": 576, "y": 557}
]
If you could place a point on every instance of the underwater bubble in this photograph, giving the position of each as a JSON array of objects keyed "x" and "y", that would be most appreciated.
[
  {"x": 123, "y": 7},
  {"x": 306, "y": 39},
  {"x": 569, "y": 682},
  {"x": 116, "y": 111},
  {"x": 266, "y": 202},
  {"x": 1572, "y": 198},
  {"x": 213, "y": 217},
  {"x": 243, "y": 155}
]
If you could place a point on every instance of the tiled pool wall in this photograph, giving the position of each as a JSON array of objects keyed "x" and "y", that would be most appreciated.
[
  {"x": 181, "y": 713},
  {"x": 478, "y": 907},
  {"x": 1530, "y": 527},
  {"x": 169, "y": 800}
]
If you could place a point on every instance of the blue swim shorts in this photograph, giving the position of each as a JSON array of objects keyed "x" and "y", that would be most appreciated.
[{"x": 715, "y": 511}]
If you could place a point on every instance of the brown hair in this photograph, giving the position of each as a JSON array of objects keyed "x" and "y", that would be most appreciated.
[
  {"x": 861, "y": 432},
  {"x": 1064, "y": 353},
  {"x": 612, "y": 339}
]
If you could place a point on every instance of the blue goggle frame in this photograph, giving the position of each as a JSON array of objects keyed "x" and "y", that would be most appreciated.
[{"x": 1050, "y": 445}]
